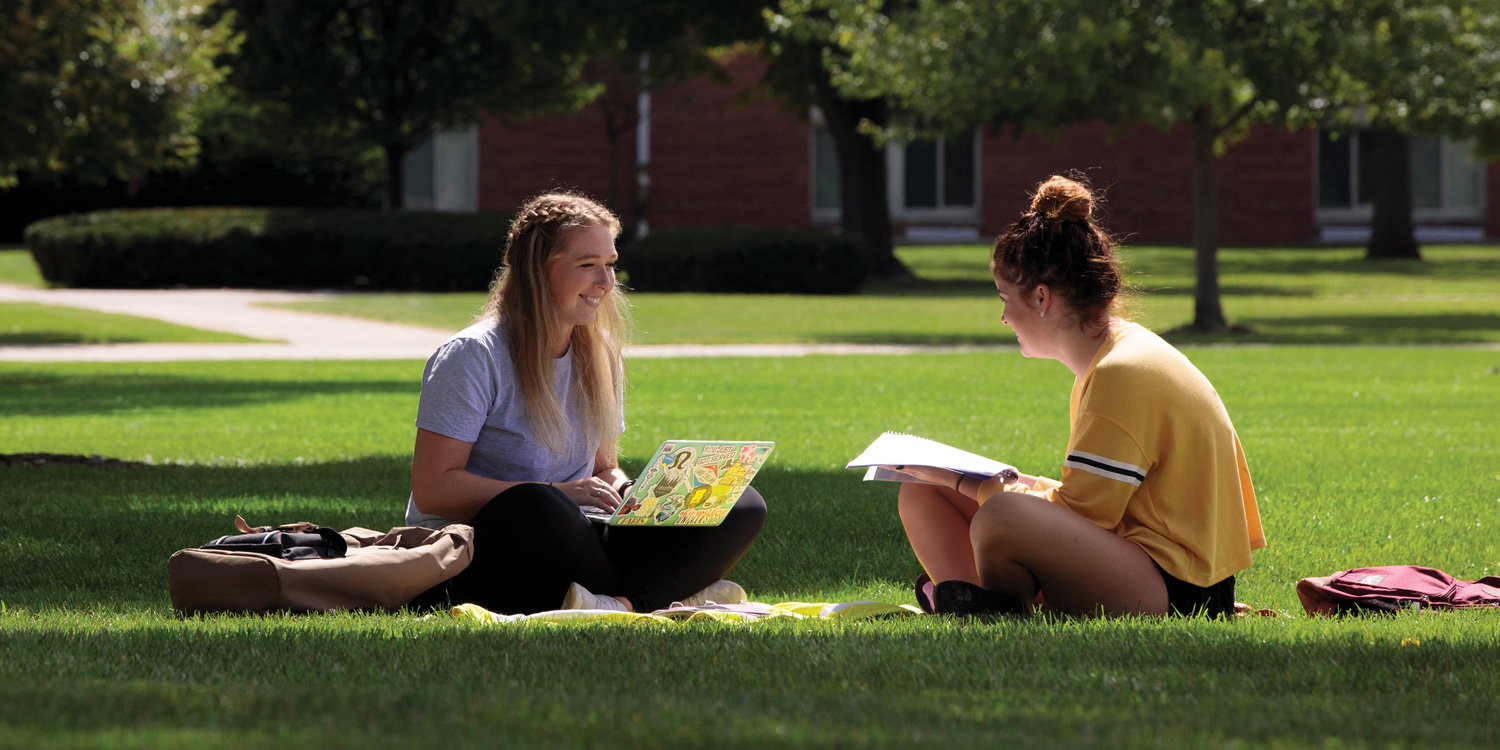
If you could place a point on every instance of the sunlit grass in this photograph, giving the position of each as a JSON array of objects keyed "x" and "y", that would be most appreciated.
[
  {"x": 31, "y": 323},
  {"x": 1360, "y": 457},
  {"x": 17, "y": 267},
  {"x": 1291, "y": 296}
]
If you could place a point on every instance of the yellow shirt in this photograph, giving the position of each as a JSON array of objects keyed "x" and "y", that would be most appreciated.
[{"x": 1154, "y": 458}]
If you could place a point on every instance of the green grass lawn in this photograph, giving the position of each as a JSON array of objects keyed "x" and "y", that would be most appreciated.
[
  {"x": 17, "y": 267},
  {"x": 31, "y": 323},
  {"x": 1287, "y": 296},
  {"x": 1361, "y": 456}
]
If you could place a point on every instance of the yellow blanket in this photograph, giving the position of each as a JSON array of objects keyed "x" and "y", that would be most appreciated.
[{"x": 747, "y": 612}]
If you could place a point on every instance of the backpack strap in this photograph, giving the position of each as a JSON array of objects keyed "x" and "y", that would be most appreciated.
[{"x": 301, "y": 527}]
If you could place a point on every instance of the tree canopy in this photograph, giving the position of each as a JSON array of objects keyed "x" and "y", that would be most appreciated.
[
  {"x": 99, "y": 89},
  {"x": 391, "y": 71},
  {"x": 1428, "y": 69},
  {"x": 1216, "y": 66}
]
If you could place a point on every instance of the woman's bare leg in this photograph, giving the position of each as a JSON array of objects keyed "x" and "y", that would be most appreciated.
[
  {"x": 937, "y": 525},
  {"x": 1022, "y": 542}
]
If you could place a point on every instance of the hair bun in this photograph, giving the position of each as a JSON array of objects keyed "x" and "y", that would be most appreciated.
[{"x": 1063, "y": 199}]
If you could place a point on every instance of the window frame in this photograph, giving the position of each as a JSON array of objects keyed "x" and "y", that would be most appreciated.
[
  {"x": 895, "y": 162},
  {"x": 1362, "y": 214},
  {"x": 895, "y": 155},
  {"x": 824, "y": 215},
  {"x": 434, "y": 202}
]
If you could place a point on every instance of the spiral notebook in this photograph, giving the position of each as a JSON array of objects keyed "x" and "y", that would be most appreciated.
[
  {"x": 899, "y": 448},
  {"x": 688, "y": 483}
]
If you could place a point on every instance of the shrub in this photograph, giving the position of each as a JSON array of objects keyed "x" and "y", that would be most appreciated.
[
  {"x": 269, "y": 248},
  {"x": 735, "y": 259}
]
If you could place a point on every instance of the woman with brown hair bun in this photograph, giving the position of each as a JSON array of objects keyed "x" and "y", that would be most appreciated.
[
  {"x": 1153, "y": 513},
  {"x": 518, "y": 428}
]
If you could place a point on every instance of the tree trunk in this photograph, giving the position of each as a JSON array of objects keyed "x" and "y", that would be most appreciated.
[
  {"x": 395, "y": 158},
  {"x": 612, "y": 168},
  {"x": 618, "y": 107},
  {"x": 863, "y": 201},
  {"x": 1208, "y": 312},
  {"x": 1391, "y": 233}
]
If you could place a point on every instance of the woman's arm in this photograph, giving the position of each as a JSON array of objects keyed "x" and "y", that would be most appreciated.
[
  {"x": 608, "y": 471},
  {"x": 971, "y": 487},
  {"x": 441, "y": 486}
]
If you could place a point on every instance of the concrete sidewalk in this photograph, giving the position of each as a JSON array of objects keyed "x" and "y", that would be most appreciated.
[
  {"x": 306, "y": 336},
  {"x": 298, "y": 335}
]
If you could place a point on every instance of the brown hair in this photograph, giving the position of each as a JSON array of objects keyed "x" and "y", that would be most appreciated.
[
  {"x": 1058, "y": 244},
  {"x": 519, "y": 300}
]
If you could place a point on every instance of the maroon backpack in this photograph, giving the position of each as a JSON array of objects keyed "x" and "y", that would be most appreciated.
[{"x": 1394, "y": 588}]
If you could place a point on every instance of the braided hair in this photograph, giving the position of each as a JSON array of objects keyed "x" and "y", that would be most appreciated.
[
  {"x": 519, "y": 301},
  {"x": 1058, "y": 244}
]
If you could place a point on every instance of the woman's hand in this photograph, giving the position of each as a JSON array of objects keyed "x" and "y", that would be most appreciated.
[
  {"x": 590, "y": 491},
  {"x": 929, "y": 474}
]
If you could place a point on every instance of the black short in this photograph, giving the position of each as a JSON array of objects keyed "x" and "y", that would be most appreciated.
[{"x": 1186, "y": 600}]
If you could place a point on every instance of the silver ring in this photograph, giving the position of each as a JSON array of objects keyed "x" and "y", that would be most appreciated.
[{"x": 596, "y": 493}]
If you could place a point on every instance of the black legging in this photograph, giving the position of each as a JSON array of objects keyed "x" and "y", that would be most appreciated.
[{"x": 531, "y": 541}]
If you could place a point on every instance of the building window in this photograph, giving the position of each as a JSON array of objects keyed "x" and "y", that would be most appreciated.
[
  {"x": 933, "y": 181},
  {"x": 442, "y": 173},
  {"x": 1445, "y": 179},
  {"x": 938, "y": 175},
  {"x": 825, "y": 177}
]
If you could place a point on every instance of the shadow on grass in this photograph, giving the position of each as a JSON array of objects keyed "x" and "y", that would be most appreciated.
[
  {"x": 1299, "y": 262},
  {"x": 1228, "y": 290},
  {"x": 82, "y": 536},
  {"x": 99, "y": 536},
  {"x": 42, "y": 394},
  {"x": 919, "y": 287},
  {"x": 984, "y": 288},
  {"x": 916, "y": 339},
  {"x": 1435, "y": 328},
  {"x": 344, "y": 682},
  {"x": 27, "y": 338}
]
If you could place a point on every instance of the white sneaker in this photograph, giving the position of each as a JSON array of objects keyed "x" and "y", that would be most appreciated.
[
  {"x": 718, "y": 592},
  {"x": 579, "y": 597}
]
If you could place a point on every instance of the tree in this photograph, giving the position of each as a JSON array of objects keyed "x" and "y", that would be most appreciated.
[
  {"x": 1216, "y": 66},
  {"x": 680, "y": 40},
  {"x": 1415, "y": 69},
  {"x": 651, "y": 45},
  {"x": 805, "y": 47},
  {"x": 391, "y": 71},
  {"x": 258, "y": 153},
  {"x": 97, "y": 89}
]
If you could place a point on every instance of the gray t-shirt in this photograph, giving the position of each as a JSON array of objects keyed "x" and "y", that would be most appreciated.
[{"x": 470, "y": 393}]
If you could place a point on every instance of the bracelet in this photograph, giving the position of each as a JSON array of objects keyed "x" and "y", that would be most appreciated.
[
  {"x": 958, "y": 485},
  {"x": 625, "y": 486}
]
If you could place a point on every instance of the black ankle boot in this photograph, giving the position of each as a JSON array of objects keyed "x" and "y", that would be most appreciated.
[
  {"x": 923, "y": 589},
  {"x": 963, "y": 598}
]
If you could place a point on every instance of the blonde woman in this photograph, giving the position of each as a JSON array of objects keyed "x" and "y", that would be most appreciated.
[{"x": 518, "y": 428}]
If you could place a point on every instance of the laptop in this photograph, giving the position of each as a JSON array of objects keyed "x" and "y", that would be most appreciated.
[{"x": 688, "y": 483}]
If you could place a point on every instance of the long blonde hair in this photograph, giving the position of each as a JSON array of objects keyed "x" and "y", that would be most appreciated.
[{"x": 519, "y": 300}]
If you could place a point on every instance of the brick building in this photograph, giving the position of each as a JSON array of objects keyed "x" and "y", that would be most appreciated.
[{"x": 715, "y": 159}]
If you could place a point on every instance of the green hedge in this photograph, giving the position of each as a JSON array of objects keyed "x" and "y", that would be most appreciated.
[
  {"x": 756, "y": 261},
  {"x": 269, "y": 248}
]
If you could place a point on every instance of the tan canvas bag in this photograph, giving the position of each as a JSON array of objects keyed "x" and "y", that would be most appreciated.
[{"x": 381, "y": 570}]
